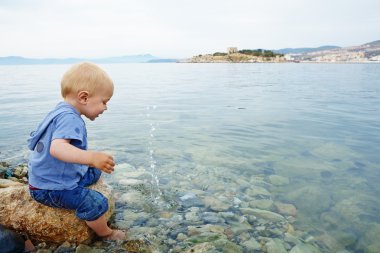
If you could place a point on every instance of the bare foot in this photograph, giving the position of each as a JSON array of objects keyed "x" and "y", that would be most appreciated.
[{"x": 116, "y": 235}]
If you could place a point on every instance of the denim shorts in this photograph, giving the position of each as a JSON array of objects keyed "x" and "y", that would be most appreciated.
[{"x": 88, "y": 204}]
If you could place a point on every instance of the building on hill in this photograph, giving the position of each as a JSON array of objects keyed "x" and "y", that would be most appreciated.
[{"x": 232, "y": 50}]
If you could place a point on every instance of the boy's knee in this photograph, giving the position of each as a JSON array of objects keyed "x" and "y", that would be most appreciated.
[{"x": 92, "y": 207}]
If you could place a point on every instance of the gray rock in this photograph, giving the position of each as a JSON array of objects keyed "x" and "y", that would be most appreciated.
[
  {"x": 190, "y": 200},
  {"x": 263, "y": 214},
  {"x": 211, "y": 217},
  {"x": 251, "y": 245},
  {"x": 304, "y": 248},
  {"x": 278, "y": 180},
  {"x": 275, "y": 246}
]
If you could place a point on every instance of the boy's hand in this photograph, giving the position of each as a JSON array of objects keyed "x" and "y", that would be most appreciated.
[{"x": 102, "y": 161}]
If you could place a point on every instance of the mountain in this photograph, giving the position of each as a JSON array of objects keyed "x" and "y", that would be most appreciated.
[
  {"x": 375, "y": 43},
  {"x": 369, "y": 52},
  {"x": 303, "y": 50},
  {"x": 163, "y": 60},
  {"x": 18, "y": 60}
]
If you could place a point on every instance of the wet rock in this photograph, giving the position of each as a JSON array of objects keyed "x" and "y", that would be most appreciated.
[
  {"x": 291, "y": 239},
  {"x": 134, "y": 218},
  {"x": 325, "y": 174},
  {"x": 204, "y": 237},
  {"x": 304, "y": 248},
  {"x": 215, "y": 204},
  {"x": 226, "y": 246},
  {"x": 2, "y": 171},
  {"x": 65, "y": 247},
  {"x": 86, "y": 249},
  {"x": 275, "y": 246},
  {"x": 181, "y": 237},
  {"x": 278, "y": 180},
  {"x": 370, "y": 241},
  {"x": 211, "y": 217},
  {"x": 255, "y": 191},
  {"x": 131, "y": 182},
  {"x": 192, "y": 216},
  {"x": 311, "y": 199},
  {"x": 251, "y": 245},
  {"x": 240, "y": 227},
  {"x": 190, "y": 200},
  {"x": 21, "y": 213},
  {"x": 286, "y": 209},
  {"x": 137, "y": 246},
  {"x": 265, "y": 204},
  {"x": 263, "y": 214},
  {"x": 132, "y": 199},
  {"x": 196, "y": 230},
  {"x": 201, "y": 248},
  {"x": 21, "y": 171}
]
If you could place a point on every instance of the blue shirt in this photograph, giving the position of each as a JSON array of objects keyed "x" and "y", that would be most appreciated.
[{"x": 45, "y": 171}]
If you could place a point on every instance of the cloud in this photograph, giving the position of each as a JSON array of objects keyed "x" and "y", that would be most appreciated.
[{"x": 168, "y": 28}]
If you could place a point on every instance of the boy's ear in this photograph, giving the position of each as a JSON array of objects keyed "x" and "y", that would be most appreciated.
[{"x": 83, "y": 96}]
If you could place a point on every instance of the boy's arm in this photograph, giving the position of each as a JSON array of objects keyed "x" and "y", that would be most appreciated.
[{"x": 64, "y": 151}]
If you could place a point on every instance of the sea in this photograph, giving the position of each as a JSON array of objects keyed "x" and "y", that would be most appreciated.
[{"x": 222, "y": 143}]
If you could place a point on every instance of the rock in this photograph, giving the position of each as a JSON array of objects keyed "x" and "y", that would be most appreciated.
[
  {"x": 215, "y": 204},
  {"x": 20, "y": 171},
  {"x": 304, "y": 248},
  {"x": 225, "y": 246},
  {"x": 86, "y": 249},
  {"x": 256, "y": 191},
  {"x": 137, "y": 246},
  {"x": 251, "y": 245},
  {"x": 20, "y": 212},
  {"x": 265, "y": 204},
  {"x": 190, "y": 200},
  {"x": 201, "y": 248},
  {"x": 311, "y": 199},
  {"x": 275, "y": 246},
  {"x": 278, "y": 180},
  {"x": 65, "y": 247},
  {"x": 4, "y": 183},
  {"x": 130, "y": 181},
  {"x": 263, "y": 214},
  {"x": 286, "y": 209}
]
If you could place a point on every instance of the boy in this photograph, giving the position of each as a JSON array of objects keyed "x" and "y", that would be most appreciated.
[{"x": 60, "y": 166}]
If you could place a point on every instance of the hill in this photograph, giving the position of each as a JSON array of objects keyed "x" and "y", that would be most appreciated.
[
  {"x": 18, "y": 60},
  {"x": 304, "y": 50}
]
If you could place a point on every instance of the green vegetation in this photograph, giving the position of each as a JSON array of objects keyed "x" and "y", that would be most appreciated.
[
  {"x": 219, "y": 54},
  {"x": 259, "y": 52}
]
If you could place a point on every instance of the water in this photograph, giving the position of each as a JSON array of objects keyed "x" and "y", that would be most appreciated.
[{"x": 219, "y": 128}]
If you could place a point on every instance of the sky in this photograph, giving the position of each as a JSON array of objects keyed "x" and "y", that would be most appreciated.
[{"x": 180, "y": 28}]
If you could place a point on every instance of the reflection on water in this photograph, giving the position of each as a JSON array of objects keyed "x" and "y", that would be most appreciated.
[{"x": 201, "y": 144}]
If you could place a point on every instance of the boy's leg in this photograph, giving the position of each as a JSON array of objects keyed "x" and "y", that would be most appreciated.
[
  {"x": 101, "y": 228},
  {"x": 91, "y": 177},
  {"x": 89, "y": 205}
]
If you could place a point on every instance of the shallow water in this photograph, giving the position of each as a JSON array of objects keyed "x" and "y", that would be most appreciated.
[{"x": 219, "y": 129}]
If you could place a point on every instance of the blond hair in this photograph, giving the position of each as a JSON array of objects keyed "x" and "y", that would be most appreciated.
[{"x": 84, "y": 76}]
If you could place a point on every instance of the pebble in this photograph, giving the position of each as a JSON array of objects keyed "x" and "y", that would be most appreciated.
[{"x": 187, "y": 218}]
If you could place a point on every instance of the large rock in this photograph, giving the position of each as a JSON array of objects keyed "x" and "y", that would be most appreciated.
[{"x": 19, "y": 212}]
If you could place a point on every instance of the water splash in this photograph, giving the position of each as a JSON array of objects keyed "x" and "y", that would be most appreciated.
[{"x": 155, "y": 182}]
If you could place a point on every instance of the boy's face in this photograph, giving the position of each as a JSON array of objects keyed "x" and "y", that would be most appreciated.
[{"x": 97, "y": 102}]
